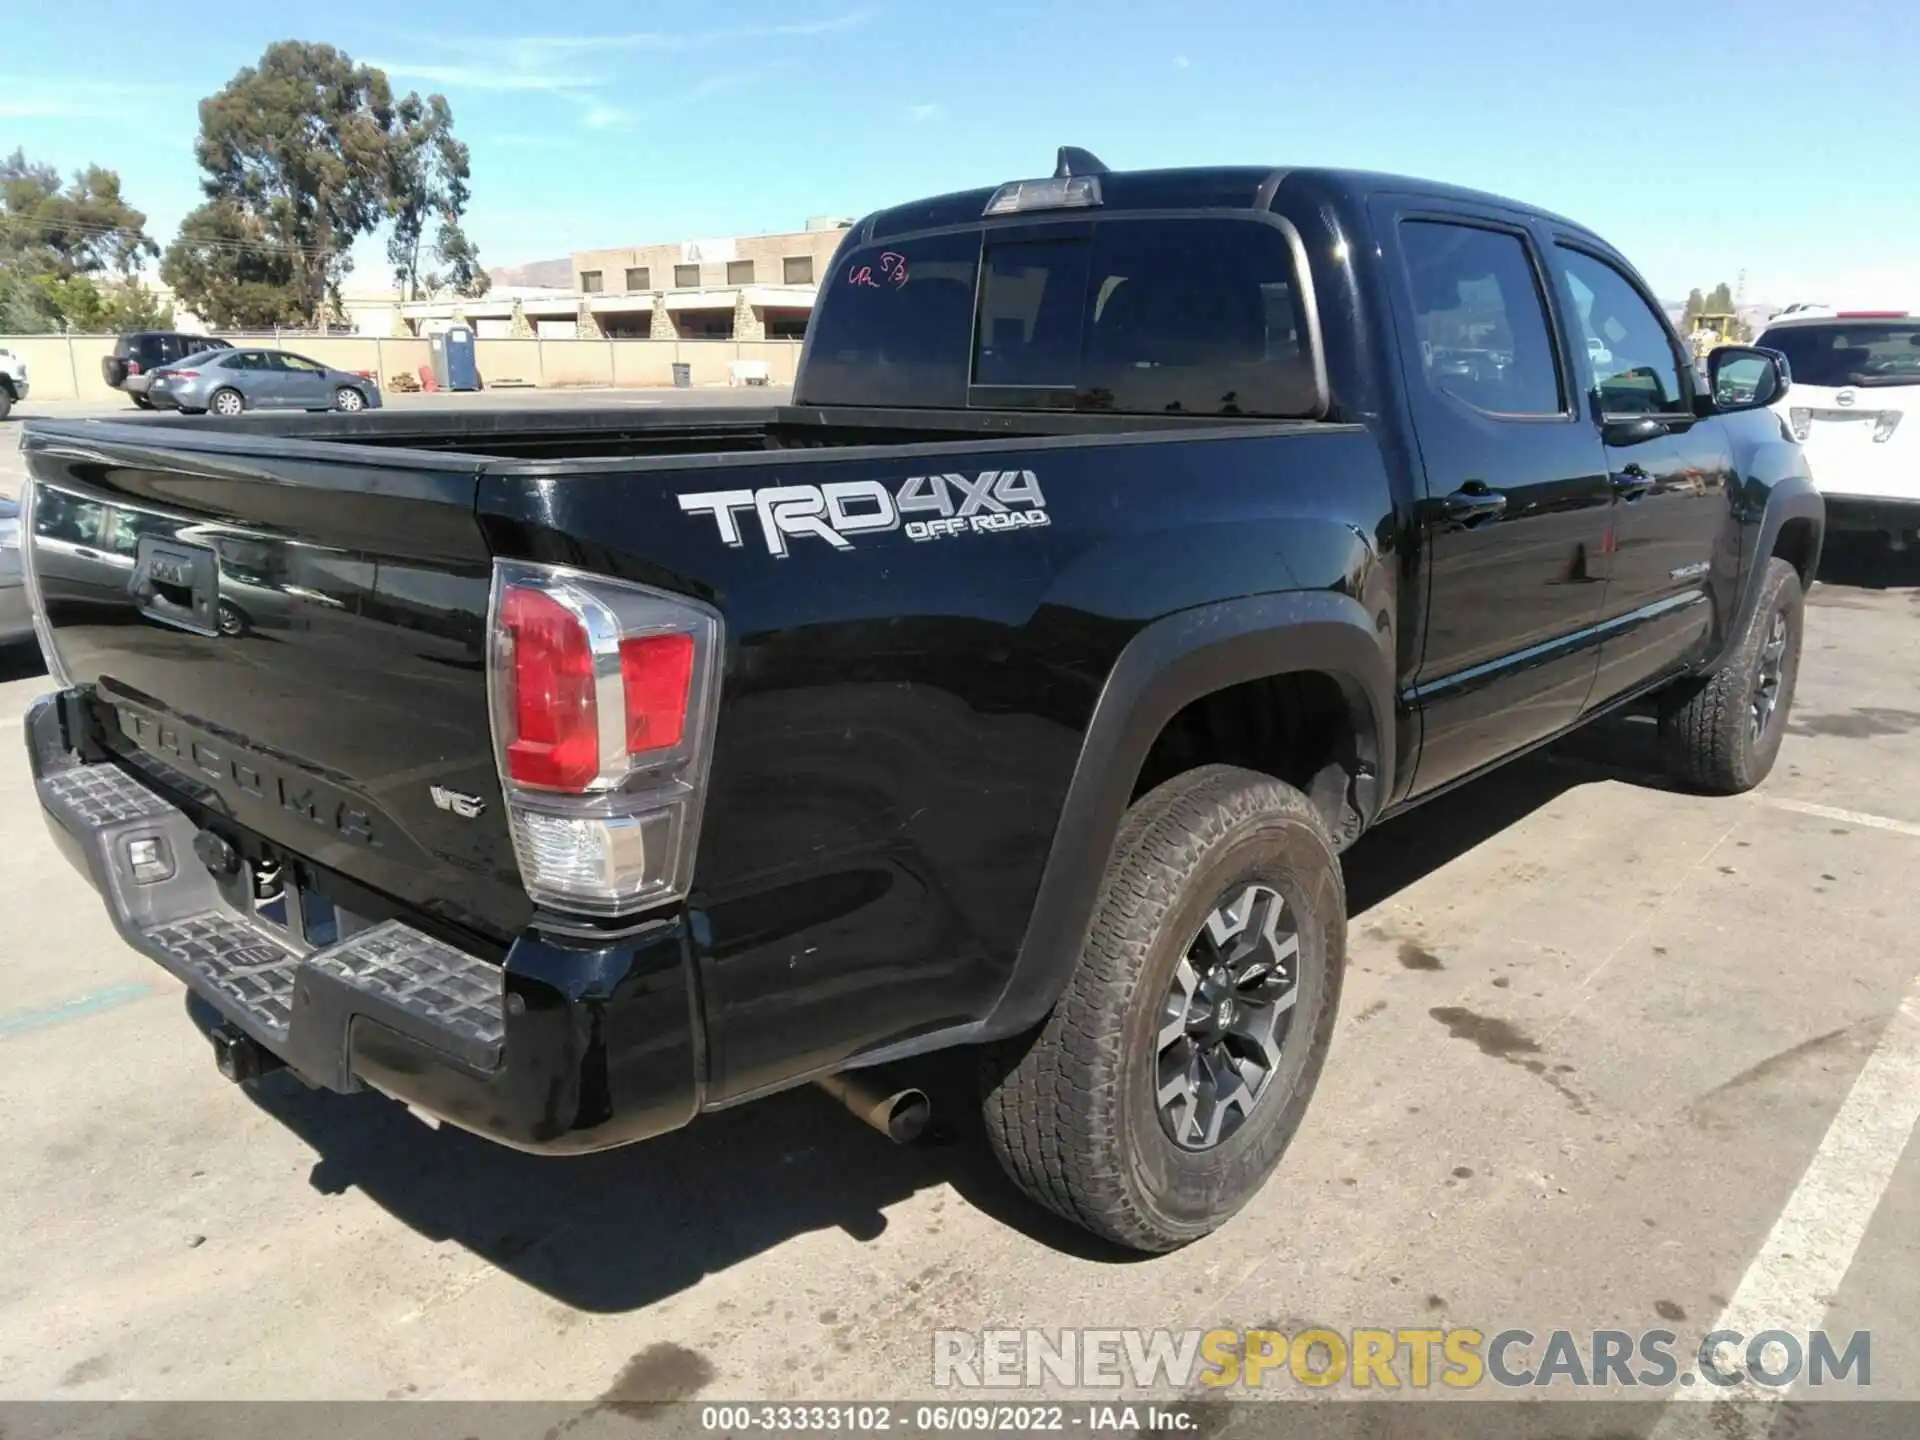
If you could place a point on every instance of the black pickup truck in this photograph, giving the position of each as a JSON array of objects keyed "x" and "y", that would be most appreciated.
[{"x": 1132, "y": 543}]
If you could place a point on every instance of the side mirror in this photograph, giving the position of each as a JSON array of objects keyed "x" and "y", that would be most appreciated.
[{"x": 1745, "y": 377}]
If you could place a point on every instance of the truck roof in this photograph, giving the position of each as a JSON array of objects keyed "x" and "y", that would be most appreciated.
[{"x": 1205, "y": 187}]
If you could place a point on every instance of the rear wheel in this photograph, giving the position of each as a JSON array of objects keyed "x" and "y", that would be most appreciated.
[
  {"x": 348, "y": 399},
  {"x": 226, "y": 403},
  {"x": 6, "y": 402},
  {"x": 1158, "y": 1096},
  {"x": 1722, "y": 733},
  {"x": 141, "y": 402}
]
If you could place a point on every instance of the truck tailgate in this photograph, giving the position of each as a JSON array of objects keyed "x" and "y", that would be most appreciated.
[{"x": 291, "y": 639}]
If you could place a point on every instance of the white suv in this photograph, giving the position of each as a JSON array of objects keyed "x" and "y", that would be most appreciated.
[
  {"x": 13, "y": 380},
  {"x": 1856, "y": 380}
]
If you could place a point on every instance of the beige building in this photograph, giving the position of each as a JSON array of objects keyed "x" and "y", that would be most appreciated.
[{"x": 753, "y": 287}]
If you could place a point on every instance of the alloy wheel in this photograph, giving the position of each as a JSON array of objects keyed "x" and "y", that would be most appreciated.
[
  {"x": 1226, "y": 1017},
  {"x": 1766, "y": 689}
]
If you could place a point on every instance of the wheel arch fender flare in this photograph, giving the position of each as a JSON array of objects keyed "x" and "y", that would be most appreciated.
[
  {"x": 1789, "y": 498},
  {"x": 1172, "y": 662}
]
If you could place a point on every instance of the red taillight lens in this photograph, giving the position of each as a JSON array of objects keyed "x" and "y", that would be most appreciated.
[
  {"x": 603, "y": 779},
  {"x": 657, "y": 673},
  {"x": 133, "y": 367},
  {"x": 555, "y": 743},
  {"x": 184, "y": 374}
]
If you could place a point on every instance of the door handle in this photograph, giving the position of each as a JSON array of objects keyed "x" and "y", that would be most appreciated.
[
  {"x": 1469, "y": 507},
  {"x": 1631, "y": 482}
]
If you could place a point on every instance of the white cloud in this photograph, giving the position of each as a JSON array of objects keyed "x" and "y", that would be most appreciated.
[
  {"x": 545, "y": 64},
  {"x": 485, "y": 77},
  {"x": 1181, "y": 62},
  {"x": 921, "y": 114}
]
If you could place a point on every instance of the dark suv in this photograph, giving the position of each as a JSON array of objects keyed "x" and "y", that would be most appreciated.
[{"x": 135, "y": 357}]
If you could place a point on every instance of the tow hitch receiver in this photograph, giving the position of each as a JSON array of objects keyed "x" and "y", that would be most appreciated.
[{"x": 238, "y": 1057}]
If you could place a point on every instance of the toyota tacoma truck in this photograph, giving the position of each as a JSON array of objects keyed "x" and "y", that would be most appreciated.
[{"x": 1131, "y": 544}]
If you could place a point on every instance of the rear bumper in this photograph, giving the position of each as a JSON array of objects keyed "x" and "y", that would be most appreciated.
[
  {"x": 1895, "y": 517},
  {"x": 567, "y": 1047}
]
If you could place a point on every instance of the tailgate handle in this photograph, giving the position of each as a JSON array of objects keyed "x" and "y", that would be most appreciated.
[{"x": 177, "y": 584}]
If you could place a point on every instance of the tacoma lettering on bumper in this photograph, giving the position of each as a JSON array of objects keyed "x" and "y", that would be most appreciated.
[{"x": 569, "y": 1046}]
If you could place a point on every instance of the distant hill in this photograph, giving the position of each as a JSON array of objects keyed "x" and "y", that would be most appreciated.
[{"x": 556, "y": 273}]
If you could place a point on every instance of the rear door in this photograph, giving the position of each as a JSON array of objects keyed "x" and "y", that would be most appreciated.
[
  {"x": 1669, "y": 470},
  {"x": 255, "y": 376},
  {"x": 1515, "y": 515}
]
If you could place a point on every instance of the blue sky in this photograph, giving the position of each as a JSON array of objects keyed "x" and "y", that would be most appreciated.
[{"x": 1700, "y": 138}]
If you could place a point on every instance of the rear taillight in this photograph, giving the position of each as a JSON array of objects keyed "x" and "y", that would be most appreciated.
[
  {"x": 133, "y": 367},
  {"x": 553, "y": 736},
  {"x": 602, "y": 698},
  {"x": 1801, "y": 419},
  {"x": 181, "y": 374},
  {"x": 1884, "y": 426}
]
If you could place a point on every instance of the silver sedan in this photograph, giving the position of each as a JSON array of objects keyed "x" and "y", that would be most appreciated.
[{"x": 229, "y": 382}]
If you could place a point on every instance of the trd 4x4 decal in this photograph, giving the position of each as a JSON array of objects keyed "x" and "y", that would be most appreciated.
[{"x": 992, "y": 501}]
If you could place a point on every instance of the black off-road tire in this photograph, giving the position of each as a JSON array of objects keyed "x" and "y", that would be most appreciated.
[
  {"x": 1707, "y": 726},
  {"x": 1071, "y": 1109}
]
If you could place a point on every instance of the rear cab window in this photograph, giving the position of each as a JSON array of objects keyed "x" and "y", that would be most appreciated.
[{"x": 1200, "y": 316}]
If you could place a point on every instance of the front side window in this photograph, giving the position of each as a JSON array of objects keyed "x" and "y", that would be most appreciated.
[
  {"x": 1626, "y": 341},
  {"x": 300, "y": 364},
  {"x": 1480, "y": 319}
]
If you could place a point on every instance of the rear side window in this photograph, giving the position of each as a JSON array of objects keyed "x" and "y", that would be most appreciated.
[
  {"x": 1480, "y": 319},
  {"x": 1197, "y": 317},
  {"x": 1852, "y": 352}
]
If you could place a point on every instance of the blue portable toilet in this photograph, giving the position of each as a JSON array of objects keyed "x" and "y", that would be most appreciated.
[{"x": 454, "y": 365}]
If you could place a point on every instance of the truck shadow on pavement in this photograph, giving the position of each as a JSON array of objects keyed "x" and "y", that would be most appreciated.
[{"x": 624, "y": 1229}]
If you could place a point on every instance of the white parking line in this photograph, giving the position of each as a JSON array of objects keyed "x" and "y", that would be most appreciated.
[
  {"x": 1793, "y": 1280},
  {"x": 1843, "y": 817}
]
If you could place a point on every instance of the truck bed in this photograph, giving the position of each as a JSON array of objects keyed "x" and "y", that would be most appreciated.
[
  {"x": 900, "y": 714},
  {"x": 634, "y": 432}
]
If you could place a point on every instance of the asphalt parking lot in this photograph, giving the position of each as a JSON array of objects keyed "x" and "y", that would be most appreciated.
[{"x": 1596, "y": 1044}]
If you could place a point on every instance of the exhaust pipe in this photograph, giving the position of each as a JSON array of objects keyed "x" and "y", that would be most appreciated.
[{"x": 899, "y": 1112}]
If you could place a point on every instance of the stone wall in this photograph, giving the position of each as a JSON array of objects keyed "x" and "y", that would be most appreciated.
[{"x": 61, "y": 367}]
